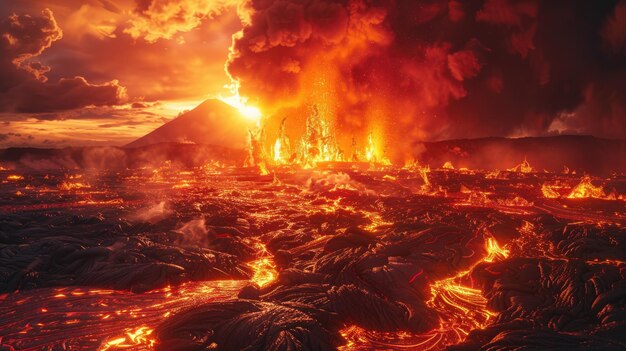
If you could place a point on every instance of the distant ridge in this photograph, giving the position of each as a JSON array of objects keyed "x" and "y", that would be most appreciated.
[
  {"x": 583, "y": 153},
  {"x": 213, "y": 122}
]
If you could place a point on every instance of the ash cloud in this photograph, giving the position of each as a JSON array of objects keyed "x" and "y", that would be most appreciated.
[
  {"x": 440, "y": 69},
  {"x": 24, "y": 86}
]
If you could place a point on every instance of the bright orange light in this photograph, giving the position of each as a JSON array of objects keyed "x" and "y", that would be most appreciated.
[
  {"x": 586, "y": 190},
  {"x": 15, "y": 177},
  {"x": 549, "y": 192},
  {"x": 523, "y": 167},
  {"x": 447, "y": 165},
  {"x": 240, "y": 103},
  {"x": 462, "y": 308},
  {"x": 370, "y": 150},
  {"x": 264, "y": 268},
  {"x": 277, "y": 154},
  {"x": 138, "y": 337},
  {"x": 495, "y": 251},
  {"x": 67, "y": 186}
]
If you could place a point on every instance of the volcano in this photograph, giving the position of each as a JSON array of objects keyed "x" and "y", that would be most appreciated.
[{"x": 213, "y": 122}]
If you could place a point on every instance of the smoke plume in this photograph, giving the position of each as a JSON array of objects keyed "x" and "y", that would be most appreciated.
[{"x": 438, "y": 69}]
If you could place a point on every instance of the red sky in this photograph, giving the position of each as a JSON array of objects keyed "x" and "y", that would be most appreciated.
[
  {"x": 136, "y": 70},
  {"x": 107, "y": 71}
]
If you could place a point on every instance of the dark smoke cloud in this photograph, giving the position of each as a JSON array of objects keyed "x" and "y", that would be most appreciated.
[
  {"x": 66, "y": 94},
  {"x": 443, "y": 69},
  {"x": 614, "y": 29},
  {"x": 24, "y": 86}
]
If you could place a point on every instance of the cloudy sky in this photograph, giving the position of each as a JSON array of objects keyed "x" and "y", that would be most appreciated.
[
  {"x": 104, "y": 72},
  {"x": 107, "y": 71}
]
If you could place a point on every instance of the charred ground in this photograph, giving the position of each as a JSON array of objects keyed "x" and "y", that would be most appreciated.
[{"x": 391, "y": 258}]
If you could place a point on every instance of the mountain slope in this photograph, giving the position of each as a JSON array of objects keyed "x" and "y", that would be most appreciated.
[{"x": 213, "y": 123}]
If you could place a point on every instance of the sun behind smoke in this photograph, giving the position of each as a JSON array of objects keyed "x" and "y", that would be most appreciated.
[{"x": 240, "y": 103}]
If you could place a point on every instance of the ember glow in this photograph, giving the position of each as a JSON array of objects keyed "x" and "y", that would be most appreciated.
[
  {"x": 241, "y": 105},
  {"x": 353, "y": 229},
  {"x": 312, "y": 175}
]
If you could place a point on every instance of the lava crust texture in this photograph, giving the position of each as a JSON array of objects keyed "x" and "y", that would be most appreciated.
[{"x": 218, "y": 258}]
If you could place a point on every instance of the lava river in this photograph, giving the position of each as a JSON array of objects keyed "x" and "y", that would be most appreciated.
[{"x": 224, "y": 258}]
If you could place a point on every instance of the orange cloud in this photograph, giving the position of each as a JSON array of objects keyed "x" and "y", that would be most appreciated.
[
  {"x": 25, "y": 87},
  {"x": 81, "y": 54},
  {"x": 164, "y": 19},
  {"x": 96, "y": 46},
  {"x": 432, "y": 69}
]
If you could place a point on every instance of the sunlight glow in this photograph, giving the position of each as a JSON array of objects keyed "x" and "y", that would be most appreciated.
[{"x": 240, "y": 103}]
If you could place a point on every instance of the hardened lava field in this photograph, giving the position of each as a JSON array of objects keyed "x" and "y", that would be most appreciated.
[{"x": 223, "y": 258}]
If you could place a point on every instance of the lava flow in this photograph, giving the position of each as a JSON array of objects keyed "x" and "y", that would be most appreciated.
[
  {"x": 353, "y": 259},
  {"x": 461, "y": 309},
  {"x": 312, "y": 175}
]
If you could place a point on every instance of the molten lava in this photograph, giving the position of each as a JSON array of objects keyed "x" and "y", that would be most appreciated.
[
  {"x": 433, "y": 253},
  {"x": 586, "y": 189},
  {"x": 523, "y": 167},
  {"x": 317, "y": 145},
  {"x": 461, "y": 309}
]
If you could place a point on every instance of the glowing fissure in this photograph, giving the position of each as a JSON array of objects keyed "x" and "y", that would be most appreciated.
[
  {"x": 264, "y": 272},
  {"x": 461, "y": 309},
  {"x": 115, "y": 319},
  {"x": 263, "y": 268}
]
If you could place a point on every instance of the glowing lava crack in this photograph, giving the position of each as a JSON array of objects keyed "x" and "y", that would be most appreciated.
[{"x": 217, "y": 257}]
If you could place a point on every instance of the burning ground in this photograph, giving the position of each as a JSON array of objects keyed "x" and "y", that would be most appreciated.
[{"x": 385, "y": 258}]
